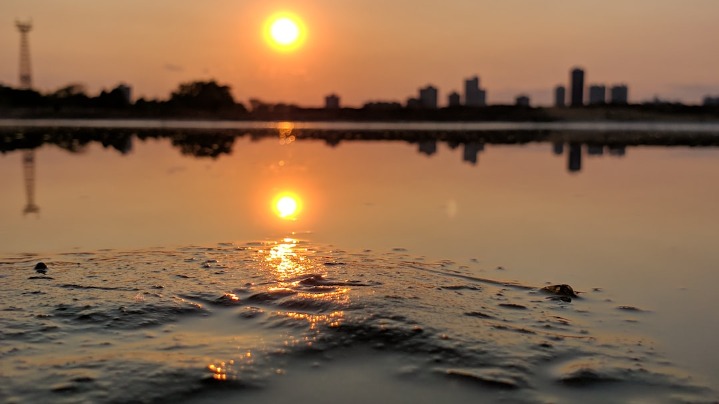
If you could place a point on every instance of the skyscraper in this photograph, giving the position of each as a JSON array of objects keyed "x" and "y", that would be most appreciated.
[
  {"x": 453, "y": 99},
  {"x": 428, "y": 97},
  {"x": 577, "y": 80},
  {"x": 522, "y": 101},
  {"x": 619, "y": 94},
  {"x": 597, "y": 94},
  {"x": 560, "y": 96},
  {"x": 474, "y": 96},
  {"x": 332, "y": 101}
]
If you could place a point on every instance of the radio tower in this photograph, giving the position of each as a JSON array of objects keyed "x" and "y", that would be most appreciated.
[{"x": 25, "y": 73}]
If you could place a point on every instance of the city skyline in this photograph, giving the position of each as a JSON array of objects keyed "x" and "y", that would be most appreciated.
[{"x": 366, "y": 51}]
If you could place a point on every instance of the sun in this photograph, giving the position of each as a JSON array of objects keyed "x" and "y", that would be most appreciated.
[
  {"x": 287, "y": 206},
  {"x": 284, "y": 32}
]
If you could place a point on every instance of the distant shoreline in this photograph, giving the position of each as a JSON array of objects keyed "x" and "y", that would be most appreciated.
[
  {"x": 214, "y": 138},
  {"x": 495, "y": 113},
  {"x": 364, "y": 126}
]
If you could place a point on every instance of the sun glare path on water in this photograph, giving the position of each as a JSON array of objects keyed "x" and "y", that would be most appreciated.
[
  {"x": 287, "y": 206},
  {"x": 284, "y": 31}
]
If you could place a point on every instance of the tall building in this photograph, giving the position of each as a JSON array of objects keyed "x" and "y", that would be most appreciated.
[
  {"x": 428, "y": 97},
  {"x": 413, "y": 103},
  {"x": 474, "y": 96},
  {"x": 560, "y": 96},
  {"x": 619, "y": 94},
  {"x": 453, "y": 99},
  {"x": 332, "y": 101},
  {"x": 597, "y": 94},
  {"x": 522, "y": 101},
  {"x": 577, "y": 87},
  {"x": 126, "y": 92}
]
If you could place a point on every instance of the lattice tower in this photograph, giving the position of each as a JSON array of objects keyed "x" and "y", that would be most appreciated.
[{"x": 25, "y": 71}]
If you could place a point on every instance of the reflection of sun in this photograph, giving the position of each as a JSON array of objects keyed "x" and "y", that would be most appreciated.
[
  {"x": 284, "y": 31},
  {"x": 287, "y": 206}
]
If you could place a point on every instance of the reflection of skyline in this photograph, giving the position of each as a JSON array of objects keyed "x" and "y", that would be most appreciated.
[
  {"x": 574, "y": 157},
  {"x": 214, "y": 143},
  {"x": 471, "y": 152}
]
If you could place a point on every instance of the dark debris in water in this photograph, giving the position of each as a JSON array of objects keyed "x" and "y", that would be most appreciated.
[
  {"x": 630, "y": 308},
  {"x": 498, "y": 378},
  {"x": 560, "y": 290},
  {"x": 585, "y": 378},
  {"x": 478, "y": 314},
  {"x": 40, "y": 267},
  {"x": 513, "y": 306}
]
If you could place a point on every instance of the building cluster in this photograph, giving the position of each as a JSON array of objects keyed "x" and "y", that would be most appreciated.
[
  {"x": 475, "y": 96},
  {"x": 597, "y": 94},
  {"x": 428, "y": 98}
]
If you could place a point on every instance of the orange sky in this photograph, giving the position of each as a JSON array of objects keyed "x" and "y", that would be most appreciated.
[{"x": 370, "y": 49}]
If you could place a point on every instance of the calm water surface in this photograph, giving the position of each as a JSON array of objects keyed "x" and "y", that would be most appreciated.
[{"x": 630, "y": 226}]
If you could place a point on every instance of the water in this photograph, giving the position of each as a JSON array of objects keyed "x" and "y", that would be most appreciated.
[{"x": 413, "y": 267}]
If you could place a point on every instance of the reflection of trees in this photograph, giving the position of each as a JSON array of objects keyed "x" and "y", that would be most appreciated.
[
  {"x": 203, "y": 95},
  {"x": 74, "y": 141},
  {"x": 204, "y": 145},
  {"x": 214, "y": 143}
]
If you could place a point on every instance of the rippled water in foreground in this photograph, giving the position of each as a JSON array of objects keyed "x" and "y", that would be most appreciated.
[{"x": 268, "y": 319}]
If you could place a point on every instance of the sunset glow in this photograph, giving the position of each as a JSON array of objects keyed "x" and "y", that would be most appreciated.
[{"x": 284, "y": 32}]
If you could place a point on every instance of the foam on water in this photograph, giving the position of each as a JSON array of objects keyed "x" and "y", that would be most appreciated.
[{"x": 264, "y": 320}]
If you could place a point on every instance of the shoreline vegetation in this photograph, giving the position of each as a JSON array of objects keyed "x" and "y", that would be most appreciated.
[{"x": 212, "y": 101}]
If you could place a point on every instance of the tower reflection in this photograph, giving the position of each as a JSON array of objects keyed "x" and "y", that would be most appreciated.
[{"x": 28, "y": 165}]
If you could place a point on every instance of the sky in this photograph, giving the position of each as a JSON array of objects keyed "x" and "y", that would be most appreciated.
[{"x": 369, "y": 50}]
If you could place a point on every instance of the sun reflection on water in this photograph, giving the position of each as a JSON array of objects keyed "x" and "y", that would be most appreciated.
[
  {"x": 332, "y": 320},
  {"x": 284, "y": 259},
  {"x": 284, "y": 130}
]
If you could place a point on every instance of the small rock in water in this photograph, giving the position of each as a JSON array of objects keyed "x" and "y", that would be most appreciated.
[
  {"x": 41, "y": 268},
  {"x": 560, "y": 290}
]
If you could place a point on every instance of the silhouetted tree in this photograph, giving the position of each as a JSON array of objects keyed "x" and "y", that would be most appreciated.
[
  {"x": 71, "y": 95},
  {"x": 118, "y": 97},
  {"x": 203, "y": 95},
  {"x": 13, "y": 97}
]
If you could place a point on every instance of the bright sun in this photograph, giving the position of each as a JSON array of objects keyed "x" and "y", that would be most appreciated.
[
  {"x": 284, "y": 32},
  {"x": 286, "y": 206}
]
